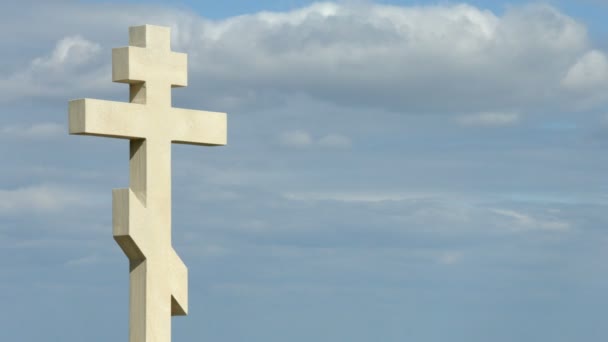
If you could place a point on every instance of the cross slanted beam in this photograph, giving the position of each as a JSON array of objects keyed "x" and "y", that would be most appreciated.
[{"x": 142, "y": 213}]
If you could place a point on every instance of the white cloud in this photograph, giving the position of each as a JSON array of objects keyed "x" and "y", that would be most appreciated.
[
  {"x": 69, "y": 51},
  {"x": 522, "y": 222},
  {"x": 589, "y": 72},
  {"x": 43, "y": 198},
  {"x": 445, "y": 212},
  {"x": 69, "y": 66},
  {"x": 489, "y": 119},
  {"x": 450, "y": 257},
  {"x": 35, "y": 131},
  {"x": 370, "y": 197},
  {"x": 587, "y": 80},
  {"x": 301, "y": 139},
  {"x": 84, "y": 261},
  {"x": 296, "y": 139}
]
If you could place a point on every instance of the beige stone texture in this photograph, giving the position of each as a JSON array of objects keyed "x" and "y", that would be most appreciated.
[{"x": 142, "y": 213}]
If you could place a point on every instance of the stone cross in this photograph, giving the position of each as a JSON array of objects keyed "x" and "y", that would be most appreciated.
[{"x": 142, "y": 213}]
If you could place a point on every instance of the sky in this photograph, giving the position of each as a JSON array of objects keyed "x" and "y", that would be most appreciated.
[{"x": 423, "y": 171}]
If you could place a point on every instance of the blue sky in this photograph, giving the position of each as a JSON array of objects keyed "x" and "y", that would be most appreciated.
[{"x": 396, "y": 171}]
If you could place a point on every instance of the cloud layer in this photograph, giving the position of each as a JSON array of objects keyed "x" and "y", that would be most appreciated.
[{"x": 397, "y": 58}]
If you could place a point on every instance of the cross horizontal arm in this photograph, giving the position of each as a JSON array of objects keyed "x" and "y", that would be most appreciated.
[
  {"x": 198, "y": 127},
  {"x": 134, "y": 64},
  {"x": 107, "y": 118}
]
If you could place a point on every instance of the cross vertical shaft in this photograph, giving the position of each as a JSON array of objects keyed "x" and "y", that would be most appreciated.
[
  {"x": 142, "y": 212},
  {"x": 150, "y": 182}
]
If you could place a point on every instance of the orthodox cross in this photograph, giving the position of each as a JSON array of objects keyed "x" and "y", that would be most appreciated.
[{"x": 141, "y": 214}]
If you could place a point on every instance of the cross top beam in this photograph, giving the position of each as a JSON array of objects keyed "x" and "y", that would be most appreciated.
[
  {"x": 141, "y": 214},
  {"x": 149, "y": 65}
]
